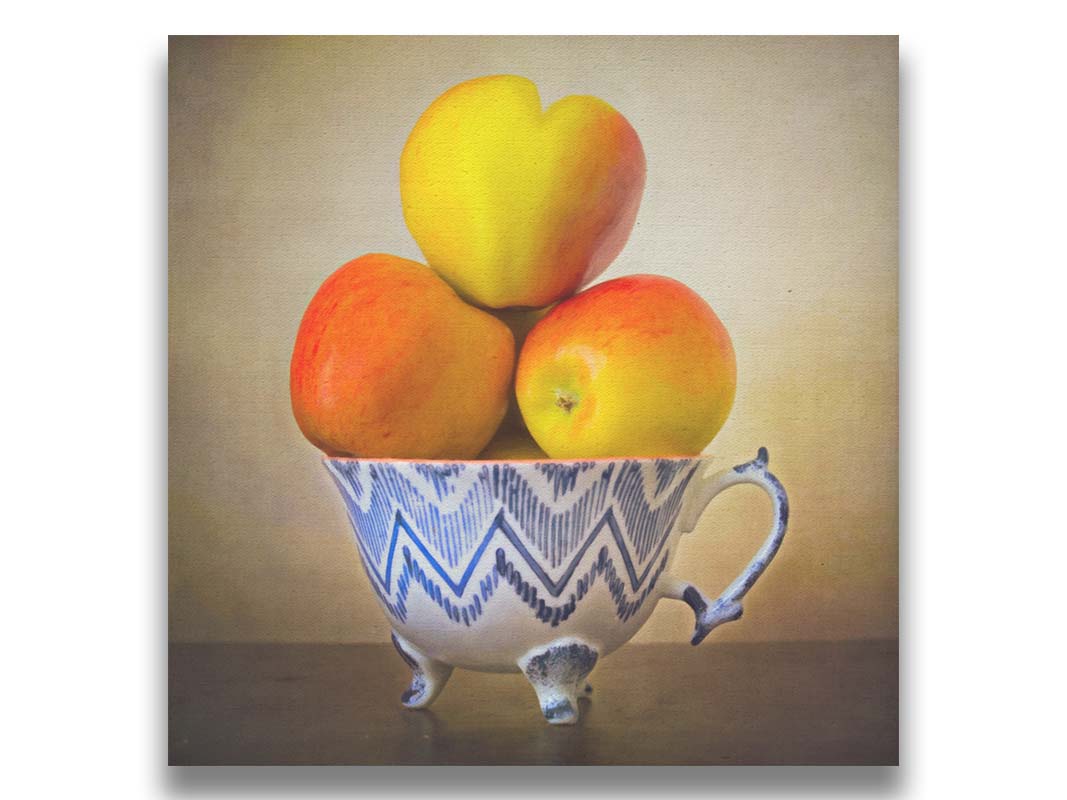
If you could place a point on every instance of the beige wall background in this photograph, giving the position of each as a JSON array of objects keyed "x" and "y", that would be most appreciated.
[{"x": 772, "y": 191}]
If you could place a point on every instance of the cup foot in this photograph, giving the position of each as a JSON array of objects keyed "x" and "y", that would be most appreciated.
[
  {"x": 428, "y": 676},
  {"x": 557, "y": 673}
]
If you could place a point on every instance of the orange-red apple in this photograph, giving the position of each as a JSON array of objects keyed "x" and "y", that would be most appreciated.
[
  {"x": 390, "y": 363},
  {"x": 637, "y": 366}
]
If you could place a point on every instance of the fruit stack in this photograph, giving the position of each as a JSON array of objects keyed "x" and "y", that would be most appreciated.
[{"x": 493, "y": 351}]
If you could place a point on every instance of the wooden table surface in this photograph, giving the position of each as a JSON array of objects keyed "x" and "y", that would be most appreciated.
[{"x": 774, "y": 703}]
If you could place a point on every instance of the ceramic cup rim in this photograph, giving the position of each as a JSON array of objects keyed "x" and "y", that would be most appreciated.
[{"x": 482, "y": 461}]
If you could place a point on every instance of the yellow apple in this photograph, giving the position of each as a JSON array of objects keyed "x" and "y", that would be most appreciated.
[{"x": 516, "y": 205}]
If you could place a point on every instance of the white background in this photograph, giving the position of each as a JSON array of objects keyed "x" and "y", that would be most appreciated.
[{"x": 83, "y": 324}]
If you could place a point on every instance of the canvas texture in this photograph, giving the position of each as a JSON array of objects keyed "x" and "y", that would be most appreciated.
[{"x": 771, "y": 191}]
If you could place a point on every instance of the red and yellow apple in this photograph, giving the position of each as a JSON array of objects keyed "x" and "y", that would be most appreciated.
[
  {"x": 515, "y": 205},
  {"x": 390, "y": 363},
  {"x": 636, "y": 366}
]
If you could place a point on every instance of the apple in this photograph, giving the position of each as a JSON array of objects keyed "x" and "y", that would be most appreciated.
[
  {"x": 636, "y": 366},
  {"x": 389, "y": 362},
  {"x": 521, "y": 322},
  {"x": 515, "y": 205},
  {"x": 513, "y": 445}
]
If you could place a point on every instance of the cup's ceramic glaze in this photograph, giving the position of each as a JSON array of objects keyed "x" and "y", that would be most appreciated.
[{"x": 539, "y": 566}]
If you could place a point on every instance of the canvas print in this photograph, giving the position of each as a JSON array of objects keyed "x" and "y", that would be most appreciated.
[{"x": 468, "y": 343}]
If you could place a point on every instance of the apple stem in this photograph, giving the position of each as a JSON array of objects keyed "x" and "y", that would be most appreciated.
[{"x": 566, "y": 401}]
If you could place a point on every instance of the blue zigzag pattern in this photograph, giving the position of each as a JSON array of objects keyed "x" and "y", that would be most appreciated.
[
  {"x": 411, "y": 573},
  {"x": 552, "y": 519},
  {"x": 604, "y": 565}
]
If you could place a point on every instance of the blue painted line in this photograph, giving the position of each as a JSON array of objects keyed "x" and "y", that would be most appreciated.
[{"x": 555, "y": 588}]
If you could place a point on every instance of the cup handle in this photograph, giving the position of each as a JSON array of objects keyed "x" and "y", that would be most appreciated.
[{"x": 710, "y": 614}]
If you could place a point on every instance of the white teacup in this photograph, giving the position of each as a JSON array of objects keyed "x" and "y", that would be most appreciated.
[{"x": 539, "y": 566}]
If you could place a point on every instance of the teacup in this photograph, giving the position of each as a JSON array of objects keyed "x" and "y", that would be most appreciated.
[{"x": 543, "y": 567}]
